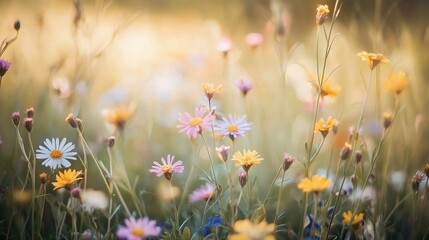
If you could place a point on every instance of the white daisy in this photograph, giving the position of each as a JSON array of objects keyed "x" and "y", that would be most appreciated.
[{"x": 56, "y": 154}]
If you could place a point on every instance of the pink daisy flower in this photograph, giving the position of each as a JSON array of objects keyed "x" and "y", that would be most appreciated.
[
  {"x": 167, "y": 168},
  {"x": 137, "y": 229},
  {"x": 233, "y": 126},
  {"x": 194, "y": 125},
  {"x": 202, "y": 193},
  {"x": 244, "y": 85}
]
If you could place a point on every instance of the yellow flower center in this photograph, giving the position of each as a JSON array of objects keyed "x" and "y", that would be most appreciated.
[
  {"x": 56, "y": 154},
  {"x": 166, "y": 168},
  {"x": 138, "y": 232},
  {"x": 195, "y": 122},
  {"x": 232, "y": 128}
]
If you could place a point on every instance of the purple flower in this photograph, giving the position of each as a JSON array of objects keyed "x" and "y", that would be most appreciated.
[
  {"x": 233, "y": 126},
  {"x": 205, "y": 193},
  {"x": 244, "y": 85},
  {"x": 194, "y": 125},
  {"x": 222, "y": 152},
  {"x": 211, "y": 222},
  {"x": 167, "y": 168},
  {"x": 137, "y": 229},
  {"x": 4, "y": 66}
]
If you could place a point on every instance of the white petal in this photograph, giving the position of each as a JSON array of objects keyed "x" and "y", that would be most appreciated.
[{"x": 63, "y": 142}]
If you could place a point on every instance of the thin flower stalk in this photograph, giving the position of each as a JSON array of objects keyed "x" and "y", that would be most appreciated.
[{"x": 279, "y": 197}]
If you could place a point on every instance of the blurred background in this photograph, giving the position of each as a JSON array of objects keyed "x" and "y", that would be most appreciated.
[{"x": 85, "y": 57}]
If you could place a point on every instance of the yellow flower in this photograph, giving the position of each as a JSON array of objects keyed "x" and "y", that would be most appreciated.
[
  {"x": 353, "y": 219},
  {"x": 119, "y": 116},
  {"x": 322, "y": 14},
  {"x": 246, "y": 230},
  {"x": 373, "y": 59},
  {"x": 66, "y": 178},
  {"x": 316, "y": 184},
  {"x": 397, "y": 82},
  {"x": 324, "y": 127},
  {"x": 247, "y": 159},
  {"x": 210, "y": 90},
  {"x": 328, "y": 90}
]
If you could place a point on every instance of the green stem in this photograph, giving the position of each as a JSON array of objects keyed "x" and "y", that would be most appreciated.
[{"x": 279, "y": 197}]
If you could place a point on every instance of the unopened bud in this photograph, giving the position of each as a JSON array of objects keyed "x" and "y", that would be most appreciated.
[
  {"x": 79, "y": 124},
  {"x": 30, "y": 112},
  {"x": 43, "y": 177},
  {"x": 71, "y": 119},
  {"x": 28, "y": 124},
  {"x": 87, "y": 235},
  {"x": 417, "y": 179},
  {"x": 345, "y": 151},
  {"x": 358, "y": 156},
  {"x": 222, "y": 152},
  {"x": 111, "y": 141},
  {"x": 242, "y": 178},
  {"x": 288, "y": 159},
  {"x": 16, "y": 118},
  {"x": 17, "y": 25},
  {"x": 427, "y": 170},
  {"x": 75, "y": 192},
  {"x": 387, "y": 119}
]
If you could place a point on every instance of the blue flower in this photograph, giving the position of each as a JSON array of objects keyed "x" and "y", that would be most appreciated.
[
  {"x": 316, "y": 229},
  {"x": 211, "y": 222}
]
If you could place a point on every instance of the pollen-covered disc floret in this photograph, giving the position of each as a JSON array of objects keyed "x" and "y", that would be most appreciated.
[{"x": 55, "y": 153}]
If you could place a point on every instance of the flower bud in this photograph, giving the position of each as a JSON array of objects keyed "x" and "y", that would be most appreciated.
[
  {"x": 16, "y": 118},
  {"x": 387, "y": 119},
  {"x": 79, "y": 124},
  {"x": 75, "y": 192},
  {"x": 28, "y": 124},
  {"x": 222, "y": 152},
  {"x": 417, "y": 179},
  {"x": 30, "y": 112},
  {"x": 242, "y": 179},
  {"x": 288, "y": 159},
  {"x": 345, "y": 151},
  {"x": 427, "y": 170},
  {"x": 322, "y": 14},
  {"x": 111, "y": 141},
  {"x": 71, "y": 119},
  {"x": 358, "y": 156},
  {"x": 17, "y": 25},
  {"x": 43, "y": 177}
]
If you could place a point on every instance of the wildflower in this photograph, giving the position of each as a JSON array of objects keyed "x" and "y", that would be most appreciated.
[
  {"x": 316, "y": 184},
  {"x": 110, "y": 141},
  {"x": 352, "y": 218},
  {"x": 87, "y": 235},
  {"x": 397, "y": 82},
  {"x": 247, "y": 159},
  {"x": 322, "y": 14},
  {"x": 75, "y": 192},
  {"x": 373, "y": 59},
  {"x": 118, "y": 116},
  {"x": 247, "y": 230},
  {"x": 93, "y": 199},
  {"x": 210, "y": 90},
  {"x": 224, "y": 46},
  {"x": 222, "y": 152},
  {"x": 67, "y": 178},
  {"x": 61, "y": 86},
  {"x": 242, "y": 179},
  {"x": 387, "y": 119},
  {"x": 205, "y": 193},
  {"x": 43, "y": 177},
  {"x": 308, "y": 235},
  {"x": 288, "y": 159},
  {"x": 328, "y": 90},
  {"x": 324, "y": 127},
  {"x": 345, "y": 151},
  {"x": 136, "y": 229},
  {"x": 244, "y": 85},
  {"x": 233, "y": 126},
  {"x": 16, "y": 118},
  {"x": 254, "y": 39},
  {"x": 28, "y": 124},
  {"x": 211, "y": 222},
  {"x": 4, "y": 66},
  {"x": 167, "y": 168},
  {"x": 166, "y": 193},
  {"x": 71, "y": 119},
  {"x": 56, "y": 153},
  {"x": 195, "y": 125}
]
